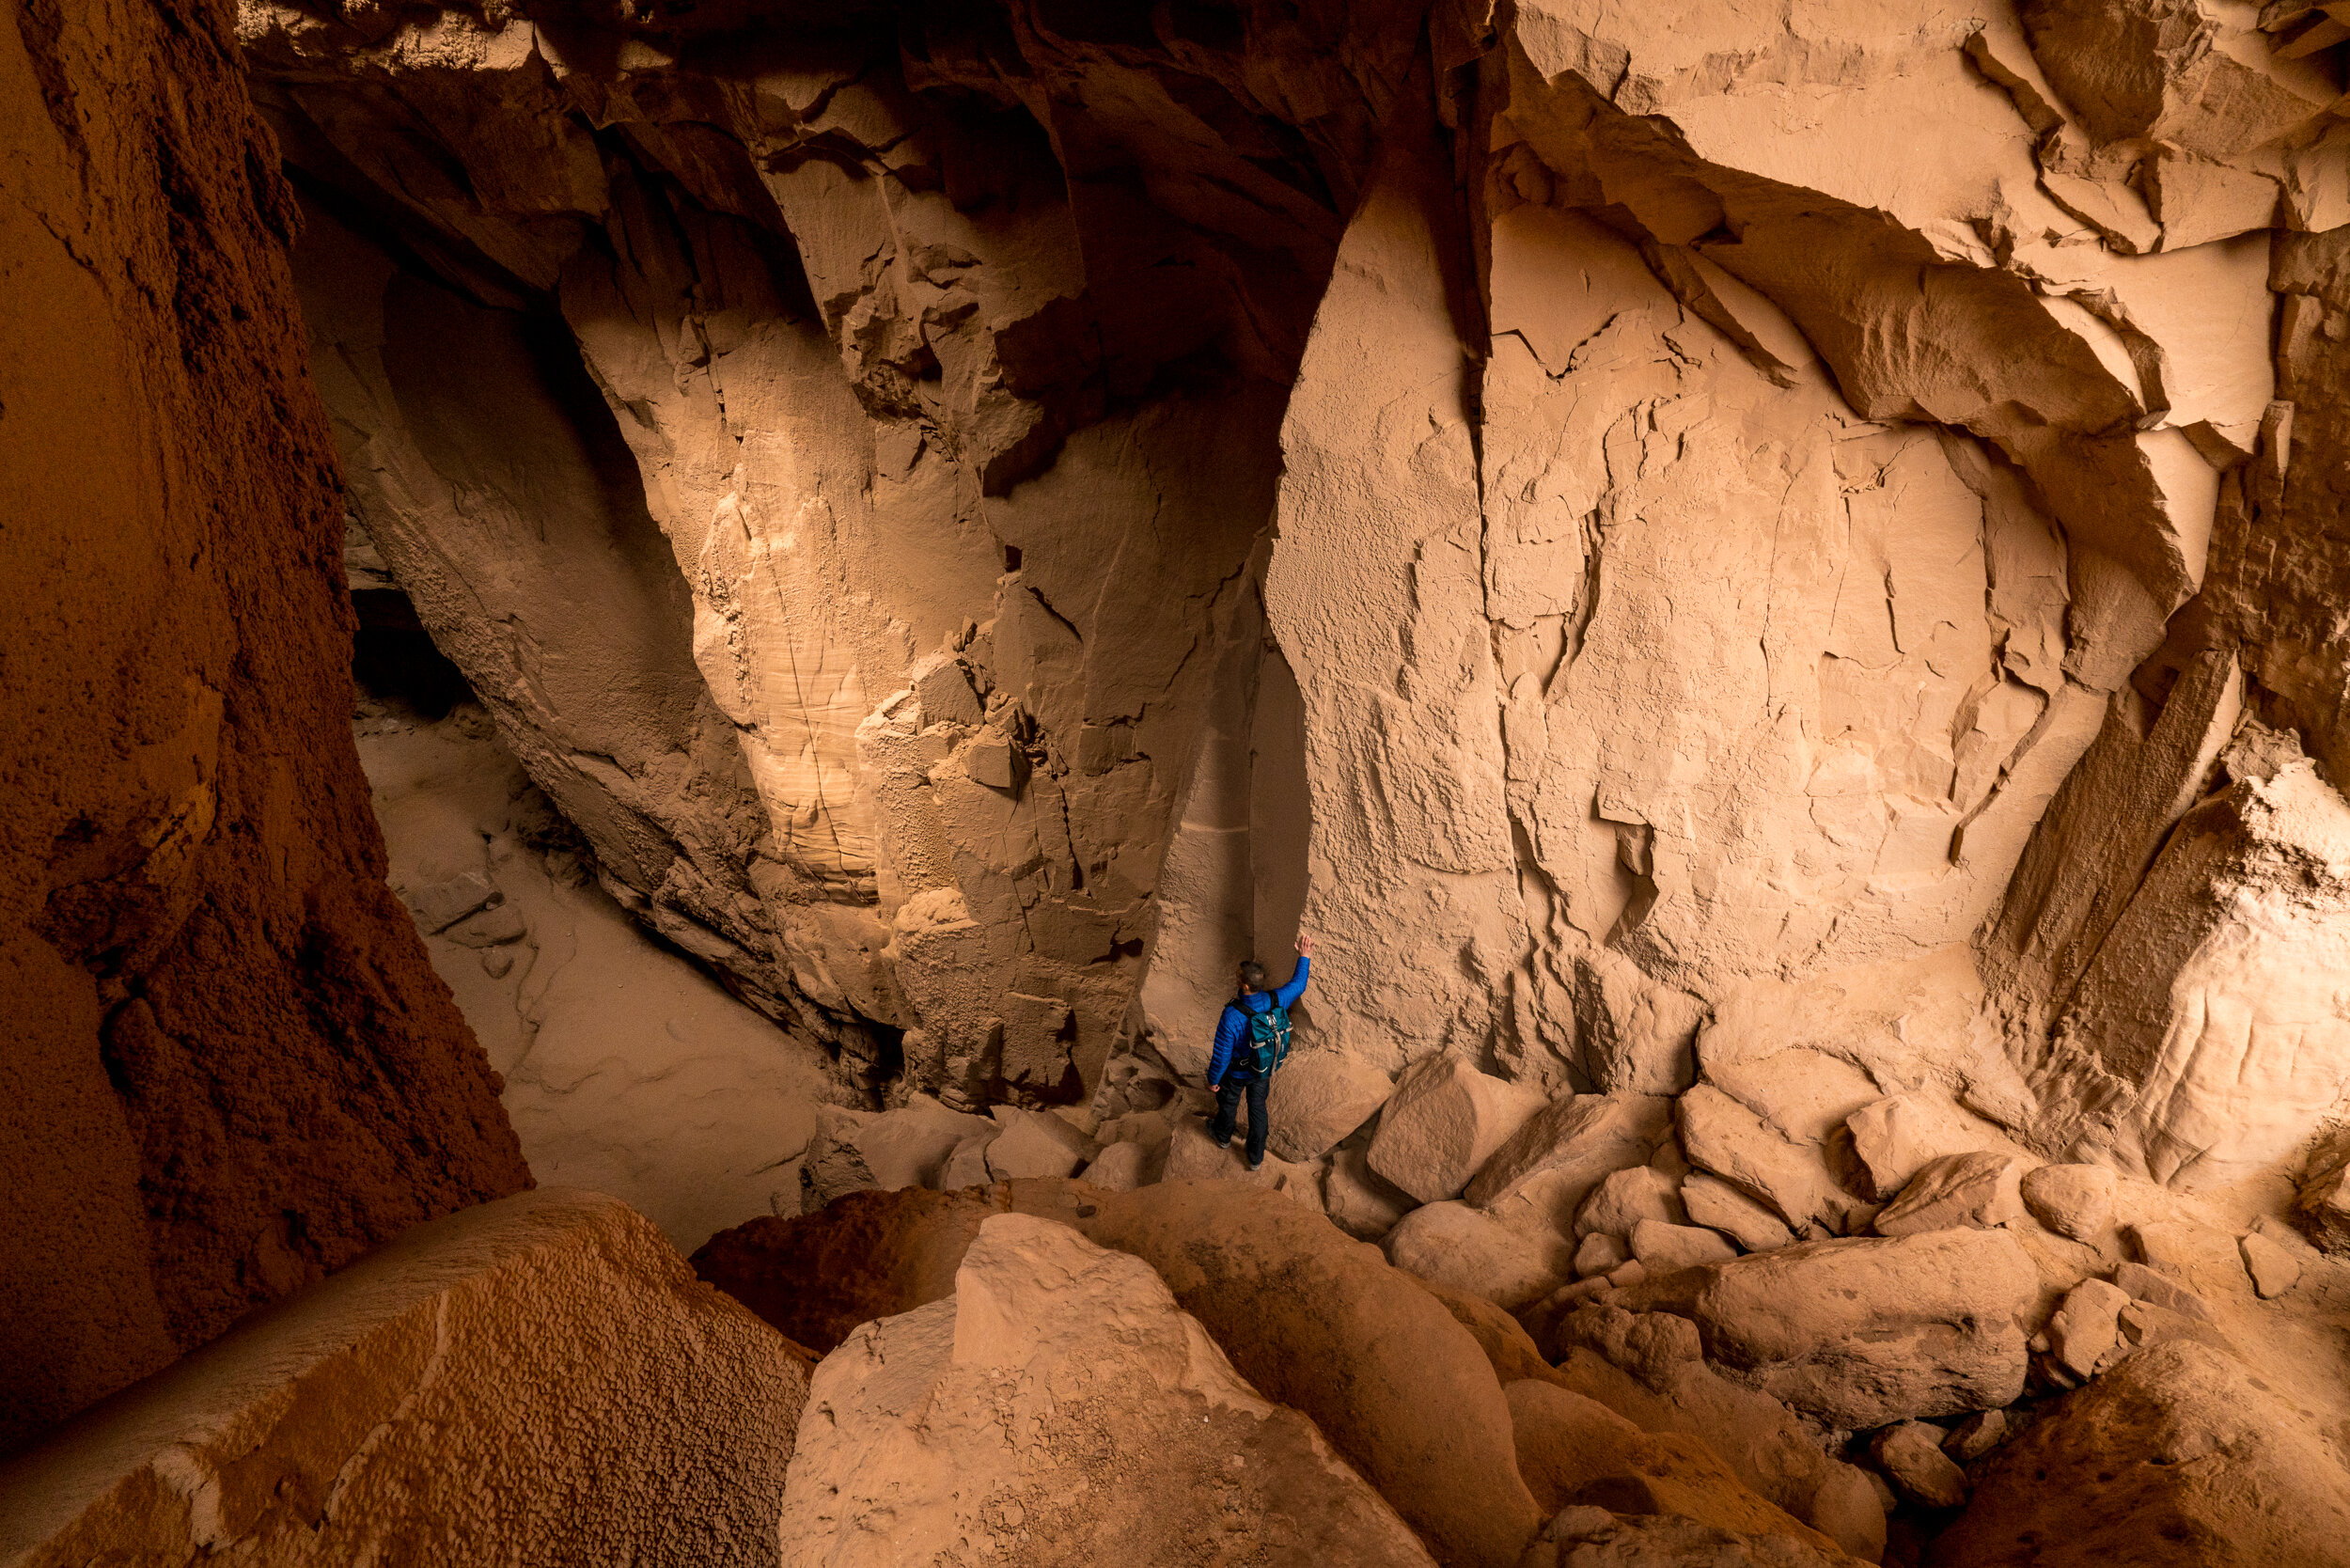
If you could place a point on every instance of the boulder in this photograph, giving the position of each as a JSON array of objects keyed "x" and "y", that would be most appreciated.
[
  {"x": 2321, "y": 1202},
  {"x": 1897, "y": 1137},
  {"x": 1470, "y": 1251},
  {"x": 539, "y": 1379},
  {"x": 2087, "y": 1327},
  {"x": 1324, "y": 1324},
  {"x": 1714, "y": 1202},
  {"x": 1444, "y": 1122},
  {"x": 907, "y": 1147},
  {"x": 1362, "y": 1202},
  {"x": 2175, "y": 1458},
  {"x": 989, "y": 1422},
  {"x": 867, "y": 1255},
  {"x": 2074, "y": 1200},
  {"x": 1910, "y": 1455},
  {"x": 966, "y": 1167},
  {"x": 1586, "y": 1536},
  {"x": 1865, "y": 1331},
  {"x": 1662, "y": 1247},
  {"x": 1599, "y": 1253},
  {"x": 1648, "y": 1368},
  {"x": 1123, "y": 1167},
  {"x": 1721, "y": 1135},
  {"x": 2144, "y": 1323},
  {"x": 1317, "y": 1098},
  {"x": 2273, "y": 1269},
  {"x": 1978, "y": 1189},
  {"x": 1625, "y": 1198},
  {"x": 1035, "y": 1143},
  {"x": 1572, "y": 1449},
  {"x": 1563, "y": 1150},
  {"x": 2145, "y": 1284}
]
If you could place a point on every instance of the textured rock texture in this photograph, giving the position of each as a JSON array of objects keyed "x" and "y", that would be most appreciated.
[
  {"x": 228, "y": 1069},
  {"x": 1061, "y": 1408},
  {"x": 539, "y": 1379},
  {"x": 1733, "y": 539}
]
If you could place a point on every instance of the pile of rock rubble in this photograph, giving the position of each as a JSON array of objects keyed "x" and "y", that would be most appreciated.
[{"x": 1882, "y": 1338}]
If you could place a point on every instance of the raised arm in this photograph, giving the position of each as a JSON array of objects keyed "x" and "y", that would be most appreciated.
[{"x": 1287, "y": 996}]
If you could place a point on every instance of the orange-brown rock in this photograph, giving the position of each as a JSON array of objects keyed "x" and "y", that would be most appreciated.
[
  {"x": 540, "y": 1379},
  {"x": 230, "y": 1069}
]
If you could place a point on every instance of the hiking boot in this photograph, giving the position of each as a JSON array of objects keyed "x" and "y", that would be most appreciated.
[
  {"x": 1256, "y": 1165},
  {"x": 1222, "y": 1140}
]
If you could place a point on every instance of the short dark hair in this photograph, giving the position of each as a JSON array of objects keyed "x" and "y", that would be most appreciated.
[{"x": 1251, "y": 973}]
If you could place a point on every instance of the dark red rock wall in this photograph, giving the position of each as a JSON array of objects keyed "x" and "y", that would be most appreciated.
[{"x": 227, "y": 1067}]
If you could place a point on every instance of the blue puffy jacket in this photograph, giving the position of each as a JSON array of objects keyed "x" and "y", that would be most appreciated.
[{"x": 1232, "y": 1028}]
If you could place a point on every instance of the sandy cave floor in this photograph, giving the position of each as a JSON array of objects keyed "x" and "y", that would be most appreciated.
[{"x": 628, "y": 1070}]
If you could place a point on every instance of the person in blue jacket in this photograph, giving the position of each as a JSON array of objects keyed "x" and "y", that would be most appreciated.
[{"x": 1231, "y": 1070}]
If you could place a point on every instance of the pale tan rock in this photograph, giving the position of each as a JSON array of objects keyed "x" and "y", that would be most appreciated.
[
  {"x": 2146, "y": 1285},
  {"x": 906, "y": 1147},
  {"x": 1317, "y": 1098},
  {"x": 1068, "y": 1347},
  {"x": 1722, "y": 1137},
  {"x": 449, "y": 1398},
  {"x": 2173, "y": 1457},
  {"x": 1714, "y": 1202},
  {"x": 1625, "y": 1198},
  {"x": 1322, "y": 1324},
  {"x": 1034, "y": 1143},
  {"x": 1445, "y": 1121},
  {"x": 2074, "y": 1200},
  {"x": 1979, "y": 1189},
  {"x": 966, "y": 1165},
  {"x": 1662, "y": 1246},
  {"x": 1564, "y": 1150},
  {"x": 2273, "y": 1269},
  {"x": 2084, "y": 1331},
  {"x": 1469, "y": 1249},
  {"x": 1862, "y": 1332},
  {"x": 1899, "y": 1136},
  {"x": 2143, "y": 1324},
  {"x": 2217, "y": 962},
  {"x": 1910, "y": 1455}
]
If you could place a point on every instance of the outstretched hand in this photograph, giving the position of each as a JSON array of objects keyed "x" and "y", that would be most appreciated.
[{"x": 1305, "y": 945}]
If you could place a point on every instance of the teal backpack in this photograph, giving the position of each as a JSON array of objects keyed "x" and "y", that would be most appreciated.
[{"x": 1268, "y": 1039}]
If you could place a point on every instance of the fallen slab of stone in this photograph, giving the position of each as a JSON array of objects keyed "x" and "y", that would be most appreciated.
[
  {"x": 2274, "y": 1270},
  {"x": 1324, "y": 1324},
  {"x": 1565, "y": 1149},
  {"x": 907, "y": 1147},
  {"x": 2085, "y": 1329},
  {"x": 992, "y": 1422},
  {"x": 1318, "y": 1100},
  {"x": 2176, "y": 1457},
  {"x": 2074, "y": 1200},
  {"x": 1723, "y": 1137},
  {"x": 1900, "y": 1135},
  {"x": 1359, "y": 1200},
  {"x": 1445, "y": 1121},
  {"x": 1471, "y": 1250},
  {"x": 537, "y": 1379},
  {"x": 1980, "y": 1189},
  {"x": 1625, "y": 1198},
  {"x": 1662, "y": 1247},
  {"x": 1910, "y": 1455},
  {"x": 1035, "y": 1143},
  {"x": 1865, "y": 1331},
  {"x": 1716, "y": 1203},
  {"x": 1193, "y": 1156}
]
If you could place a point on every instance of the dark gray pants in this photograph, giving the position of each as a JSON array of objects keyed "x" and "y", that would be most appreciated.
[{"x": 1227, "y": 1111}]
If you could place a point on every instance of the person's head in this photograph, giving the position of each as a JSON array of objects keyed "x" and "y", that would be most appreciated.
[{"x": 1251, "y": 975}]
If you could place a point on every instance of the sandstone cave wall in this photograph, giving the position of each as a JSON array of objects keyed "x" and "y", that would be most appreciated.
[
  {"x": 1800, "y": 535},
  {"x": 231, "y": 1068}
]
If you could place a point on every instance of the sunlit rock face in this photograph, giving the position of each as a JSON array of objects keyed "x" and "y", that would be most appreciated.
[{"x": 1663, "y": 536}]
